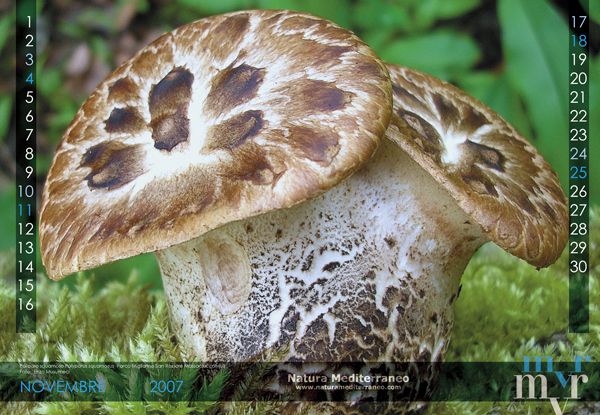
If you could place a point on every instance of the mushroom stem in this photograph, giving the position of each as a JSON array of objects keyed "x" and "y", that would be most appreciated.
[{"x": 366, "y": 271}]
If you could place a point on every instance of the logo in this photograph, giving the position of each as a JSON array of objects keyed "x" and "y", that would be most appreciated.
[{"x": 540, "y": 377}]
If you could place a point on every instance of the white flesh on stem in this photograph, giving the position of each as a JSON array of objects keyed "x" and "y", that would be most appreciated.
[{"x": 368, "y": 271}]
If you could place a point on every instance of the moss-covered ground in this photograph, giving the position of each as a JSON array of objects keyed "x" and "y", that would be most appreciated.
[{"x": 507, "y": 309}]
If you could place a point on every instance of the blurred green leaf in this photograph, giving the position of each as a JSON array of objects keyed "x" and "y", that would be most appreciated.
[
  {"x": 593, "y": 9},
  {"x": 7, "y": 263},
  {"x": 6, "y": 24},
  {"x": 26, "y": 7},
  {"x": 495, "y": 91},
  {"x": 140, "y": 5},
  {"x": 62, "y": 104},
  {"x": 93, "y": 18},
  {"x": 101, "y": 49},
  {"x": 442, "y": 53},
  {"x": 429, "y": 11},
  {"x": 377, "y": 39},
  {"x": 445, "y": 9},
  {"x": 534, "y": 40},
  {"x": 5, "y": 112},
  {"x": 60, "y": 120},
  {"x": 143, "y": 6},
  {"x": 408, "y": 15},
  {"x": 336, "y": 11},
  {"x": 207, "y": 7},
  {"x": 379, "y": 15},
  {"x": 40, "y": 4},
  {"x": 52, "y": 82},
  {"x": 8, "y": 215},
  {"x": 43, "y": 162},
  {"x": 72, "y": 29}
]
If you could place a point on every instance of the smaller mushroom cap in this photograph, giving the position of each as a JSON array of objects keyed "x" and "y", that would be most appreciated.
[
  {"x": 491, "y": 171},
  {"x": 219, "y": 120}
]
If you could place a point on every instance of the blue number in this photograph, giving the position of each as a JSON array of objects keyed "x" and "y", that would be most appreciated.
[
  {"x": 21, "y": 209},
  {"x": 578, "y": 172},
  {"x": 165, "y": 386},
  {"x": 29, "y": 79},
  {"x": 580, "y": 40}
]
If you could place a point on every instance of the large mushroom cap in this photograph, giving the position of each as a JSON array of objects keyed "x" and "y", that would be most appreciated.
[
  {"x": 216, "y": 121},
  {"x": 492, "y": 172}
]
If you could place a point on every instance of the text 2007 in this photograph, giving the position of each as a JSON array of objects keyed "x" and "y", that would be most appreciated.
[{"x": 165, "y": 386}]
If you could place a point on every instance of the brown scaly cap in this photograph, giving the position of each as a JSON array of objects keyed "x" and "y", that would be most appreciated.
[
  {"x": 492, "y": 172},
  {"x": 225, "y": 118}
]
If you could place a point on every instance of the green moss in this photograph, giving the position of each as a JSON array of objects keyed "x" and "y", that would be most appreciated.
[
  {"x": 121, "y": 322},
  {"x": 507, "y": 309}
]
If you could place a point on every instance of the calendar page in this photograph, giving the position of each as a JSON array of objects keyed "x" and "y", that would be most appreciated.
[{"x": 312, "y": 207}]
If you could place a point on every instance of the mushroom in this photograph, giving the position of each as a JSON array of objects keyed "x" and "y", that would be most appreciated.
[
  {"x": 218, "y": 121},
  {"x": 368, "y": 270},
  {"x": 228, "y": 146}
]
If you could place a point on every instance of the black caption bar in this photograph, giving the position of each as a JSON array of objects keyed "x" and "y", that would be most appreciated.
[
  {"x": 579, "y": 170},
  {"x": 26, "y": 78},
  {"x": 539, "y": 378}
]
